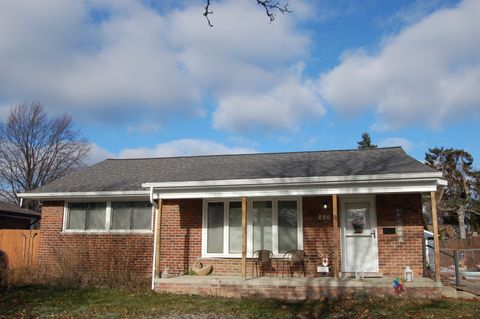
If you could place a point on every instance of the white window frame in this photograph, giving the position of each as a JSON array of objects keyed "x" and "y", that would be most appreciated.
[
  {"x": 108, "y": 219},
  {"x": 226, "y": 225}
]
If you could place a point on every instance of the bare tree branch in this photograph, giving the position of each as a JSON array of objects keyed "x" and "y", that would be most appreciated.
[
  {"x": 270, "y": 8},
  {"x": 36, "y": 149},
  {"x": 207, "y": 13}
]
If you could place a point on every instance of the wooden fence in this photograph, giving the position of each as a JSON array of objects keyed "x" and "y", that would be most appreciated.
[{"x": 19, "y": 247}]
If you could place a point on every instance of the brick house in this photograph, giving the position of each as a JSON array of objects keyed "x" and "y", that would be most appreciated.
[{"x": 362, "y": 209}]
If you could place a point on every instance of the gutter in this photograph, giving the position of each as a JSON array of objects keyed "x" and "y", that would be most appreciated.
[
  {"x": 155, "y": 237},
  {"x": 80, "y": 195}
]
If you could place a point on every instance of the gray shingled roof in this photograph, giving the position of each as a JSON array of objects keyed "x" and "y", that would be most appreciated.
[
  {"x": 16, "y": 209},
  {"x": 129, "y": 174}
]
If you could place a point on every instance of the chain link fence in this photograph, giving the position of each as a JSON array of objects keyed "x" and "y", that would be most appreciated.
[{"x": 461, "y": 268}]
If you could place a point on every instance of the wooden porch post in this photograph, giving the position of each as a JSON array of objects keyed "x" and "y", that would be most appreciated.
[
  {"x": 436, "y": 242},
  {"x": 336, "y": 237},
  {"x": 158, "y": 227},
  {"x": 244, "y": 237}
]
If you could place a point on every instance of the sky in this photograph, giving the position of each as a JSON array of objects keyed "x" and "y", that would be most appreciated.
[{"x": 150, "y": 78}]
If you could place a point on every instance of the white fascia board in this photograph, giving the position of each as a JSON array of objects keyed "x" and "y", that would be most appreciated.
[
  {"x": 293, "y": 180},
  {"x": 363, "y": 187},
  {"x": 79, "y": 195}
]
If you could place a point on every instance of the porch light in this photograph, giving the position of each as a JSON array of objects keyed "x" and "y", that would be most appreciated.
[{"x": 325, "y": 206}]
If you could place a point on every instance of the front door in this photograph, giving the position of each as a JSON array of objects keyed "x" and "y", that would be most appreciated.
[{"x": 359, "y": 235}]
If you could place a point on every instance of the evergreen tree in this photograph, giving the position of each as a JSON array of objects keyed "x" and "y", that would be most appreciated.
[
  {"x": 461, "y": 195},
  {"x": 366, "y": 142}
]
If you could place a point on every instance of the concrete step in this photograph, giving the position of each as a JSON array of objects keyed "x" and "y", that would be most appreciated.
[{"x": 450, "y": 292}]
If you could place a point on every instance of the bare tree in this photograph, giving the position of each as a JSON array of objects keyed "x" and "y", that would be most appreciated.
[
  {"x": 269, "y": 6},
  {"x": 36, "y": 149}
]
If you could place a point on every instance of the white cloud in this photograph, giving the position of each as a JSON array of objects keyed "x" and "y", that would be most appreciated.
[
  {"x": 397, "y": 141},
  {"x": 137, "y": 59},
  {"x": 147, "y": 127},
  {"x": 282, "y": 107},
  {"x": 183, "y": 147},
  {"x": 180, "y": 147},
  {"x": 428, "y": 74},
  {"x": 98, "y": 154},
  {"x": 54, "y": 52}
]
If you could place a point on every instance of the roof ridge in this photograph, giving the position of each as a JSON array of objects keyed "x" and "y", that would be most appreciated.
[{"x": 250, "y": 154}]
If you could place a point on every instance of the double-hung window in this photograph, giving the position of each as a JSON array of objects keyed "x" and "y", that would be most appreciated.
[{"x": 273, "y": 224}]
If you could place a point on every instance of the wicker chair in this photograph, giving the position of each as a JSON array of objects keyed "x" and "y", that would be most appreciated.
[
  {"x": 292, "y": 260},
  {"x": 262, "y": 260}
]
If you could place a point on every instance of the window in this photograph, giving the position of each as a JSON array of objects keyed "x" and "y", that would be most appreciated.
[
  {"x": 287, "y": 226},
  {"x": 108, "y": 216},
  {"x": 131, "y": 216},
  {"x": 215, "y": 228},
  {"x": 86, "y": 216},
  {"x": 262, "y": 225},
  {"x": 272, "y": 224},
  {"x": 235, "y": 228}
]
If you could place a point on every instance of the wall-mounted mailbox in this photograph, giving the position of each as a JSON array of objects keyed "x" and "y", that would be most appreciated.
[{"x": 389, "y": 231}]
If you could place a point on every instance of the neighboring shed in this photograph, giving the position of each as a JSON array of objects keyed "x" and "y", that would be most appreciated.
[{"x": 15, "y": 217}]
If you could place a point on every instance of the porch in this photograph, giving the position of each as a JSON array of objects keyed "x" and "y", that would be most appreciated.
[{"x": 293, "y": 288}]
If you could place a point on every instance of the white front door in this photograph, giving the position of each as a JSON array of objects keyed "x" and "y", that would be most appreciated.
[{"x": 359, "y": 234}]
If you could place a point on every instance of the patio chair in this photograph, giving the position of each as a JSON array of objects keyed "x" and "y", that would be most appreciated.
[
  {"x": 294, "y": 260},
  {"x": 262, "y": 260}
]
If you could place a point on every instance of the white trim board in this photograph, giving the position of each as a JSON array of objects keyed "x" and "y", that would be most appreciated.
[
  {"x": 87, "y": 195},
  {"x": 372, "y": 187},
  {"x": 293, "y": 180}
]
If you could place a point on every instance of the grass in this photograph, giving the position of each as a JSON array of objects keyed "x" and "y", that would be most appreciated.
[{"x": 53, "y": 302}]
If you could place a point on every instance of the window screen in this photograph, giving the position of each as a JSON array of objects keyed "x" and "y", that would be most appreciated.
[
  {"x": 262, "y": 225},
  {"x": 287, "y": 226},
  {"x": 131, "y": 216},
  {"x": 235, "y": 227},
  {"x": 86, "y": 216},
  {"x": 215, "y": 227}
]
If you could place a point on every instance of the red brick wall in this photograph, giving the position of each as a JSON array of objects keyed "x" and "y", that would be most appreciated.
[
  {"x": 181, "y": 242},
  {"x": 394, "y": 254},
  {"x": 182, "y": 234},
  {"x": 92, "y": 253},
  {"x": 317, "y": 234}
]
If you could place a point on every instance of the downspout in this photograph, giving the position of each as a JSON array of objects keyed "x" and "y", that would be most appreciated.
[{"x": 154, "y": 204}]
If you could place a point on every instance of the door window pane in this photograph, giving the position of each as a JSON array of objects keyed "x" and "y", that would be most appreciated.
[
  {"x": 235, "y": 227},
  {"x": 262, "y": 225},
  {"x": 287, "y": 226},
  {"x": 215, "y": 227},
  {"x": 142, "y": 215},
  {"x": 358, "y": 217}
]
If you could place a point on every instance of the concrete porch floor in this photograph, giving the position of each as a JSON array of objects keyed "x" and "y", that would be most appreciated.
[{"x": 293, "y": 288}]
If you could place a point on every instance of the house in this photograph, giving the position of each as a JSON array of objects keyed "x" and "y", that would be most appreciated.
[
  {"x": 361, "y": 209},
  {"x": 15, "y": 217}
]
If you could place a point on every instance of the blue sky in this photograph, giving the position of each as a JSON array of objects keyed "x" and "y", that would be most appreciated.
[{"x": 150, "y": 78}]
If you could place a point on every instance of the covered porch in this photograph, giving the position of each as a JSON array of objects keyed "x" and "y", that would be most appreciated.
[
  {"x": 293, "y": 288},
  {"x": 193, "y": 223}
]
